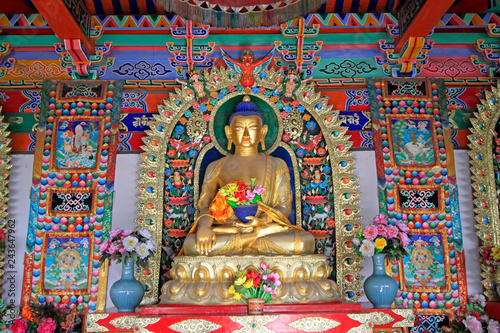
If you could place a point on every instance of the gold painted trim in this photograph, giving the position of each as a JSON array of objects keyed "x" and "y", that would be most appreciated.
[
  {"x": 91, "y": 325},
  {"x": 483, "y": 177},
  {"x": 346, "y": 195},
  {"x": 5, "y": 167}
]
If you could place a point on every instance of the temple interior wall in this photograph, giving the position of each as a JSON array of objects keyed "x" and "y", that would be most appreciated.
[{"x": 124, "y": 209}]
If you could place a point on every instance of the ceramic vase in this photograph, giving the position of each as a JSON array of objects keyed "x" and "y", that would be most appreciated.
[
  {"x": 245, "y": 210},
  {"x": 256, "y": 306},
  {"x": 127, "y": 293},
  {"x": 380, "y": 288}
]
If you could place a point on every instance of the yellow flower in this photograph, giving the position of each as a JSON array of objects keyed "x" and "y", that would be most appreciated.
[
  {"x": 237, "y": 296},
  {"x": 231, "y": 290},
  {"x": 240, "y": 280},
  {"x": 248, "y": 284},
  {"x": 380, "y": 243}
]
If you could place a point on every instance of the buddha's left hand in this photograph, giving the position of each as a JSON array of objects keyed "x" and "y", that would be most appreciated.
[{"x": 255, "y": 221}]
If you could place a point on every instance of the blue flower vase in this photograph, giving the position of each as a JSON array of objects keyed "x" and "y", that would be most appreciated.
[
  {"x": 127, "y": 293},
  {"x": 245, "y": 210},
  {"x": 380, "y": 288}
]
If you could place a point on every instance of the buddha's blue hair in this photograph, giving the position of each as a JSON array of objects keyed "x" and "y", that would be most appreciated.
[{"x": 246, "y": 109}]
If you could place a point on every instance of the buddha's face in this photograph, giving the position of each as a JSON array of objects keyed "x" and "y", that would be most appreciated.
[{"x": 246, "y": 131}]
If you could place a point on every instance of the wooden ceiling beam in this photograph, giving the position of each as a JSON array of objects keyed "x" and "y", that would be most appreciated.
[
  {"x": 65, "y": 23},
  {"x": 422, "y": 22}
]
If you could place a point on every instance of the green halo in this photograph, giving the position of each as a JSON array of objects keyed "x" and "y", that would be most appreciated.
[{"x": 225, "y": 111}]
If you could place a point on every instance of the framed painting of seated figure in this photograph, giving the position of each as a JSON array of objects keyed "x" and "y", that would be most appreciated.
[{"x": 292, "y": 147}]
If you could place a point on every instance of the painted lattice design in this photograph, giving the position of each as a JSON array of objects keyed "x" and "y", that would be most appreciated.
[
  {"x": 70, "y": 209},
  {"x": 306, "y": 129},
  {"x": 417, "y": 186}
]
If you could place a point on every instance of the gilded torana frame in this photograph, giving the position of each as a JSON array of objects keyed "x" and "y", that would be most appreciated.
[{"x": 150, "y": 213}]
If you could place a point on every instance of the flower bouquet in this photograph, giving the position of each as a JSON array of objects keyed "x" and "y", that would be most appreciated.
[
  {"x": 383, "y": 237},
  {"x": 123, "y": 245},
  {"x": 47, "y": 318},
  {"x": 250, "y": 285},
  {"x": 472, "y": 318},
  {"x": 235, "y": 196},
  {"x": 126, "y": 244}
]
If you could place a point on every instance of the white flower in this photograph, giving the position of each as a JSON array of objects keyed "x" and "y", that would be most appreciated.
[
  {"x": 367, "y": 248},
  {"x": 129, "y": 243},
  {"x": 151, "y": 245},
  {"x": 493, "y": 326},
  {"x": 145, "y": 233},
  {"x": 356, "y": 241},
  {"x": 478, "y": 299},
  {"x": 142, "y": 250}
]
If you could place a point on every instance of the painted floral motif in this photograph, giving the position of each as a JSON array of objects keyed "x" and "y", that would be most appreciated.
[{"x": 141, "y": 70}]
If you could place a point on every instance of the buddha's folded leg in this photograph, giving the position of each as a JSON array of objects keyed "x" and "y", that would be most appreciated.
[
  {"x": 224, "y": 244},
  {"x": 291, "y": 241}
]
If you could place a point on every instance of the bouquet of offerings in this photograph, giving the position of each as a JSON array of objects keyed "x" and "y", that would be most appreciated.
[
  {"x": 47, "y": 318},
  {"x": 249, "y": 284},
  {"x": 123, "y": 245},
  {"x": 383, "y": 237},
  {"x": 232, "y": 195},
  {"x": 473, "y": 318}
]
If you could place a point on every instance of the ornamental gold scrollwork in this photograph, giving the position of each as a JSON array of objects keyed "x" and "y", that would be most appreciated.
[
  {"x": 91, "y": 324},
  {"x": 407, "y": 314},
  {"x": 253, "y": 323},
  {"x": 482, "y": 156},
  {"x": 314, "y": 324},
  {"x": 346, "y": 195},
  {"x": 196, "y": 125},
  {"x": 194, "y": 325},
  {"x": 368, "y": 320},
  {"x": 138, "y": 323},
  {"x": 293, "y": 124}
]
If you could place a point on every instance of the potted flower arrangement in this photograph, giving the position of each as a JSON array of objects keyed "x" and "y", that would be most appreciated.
[
  {"x": 472, "y": 317},
  {"x": 128, "y": 247},
  {"x": 256, "y": 287},
  {"x": 490, "y": 257},
  {"x": 378, "y": 240},
  {"x": 242, "y": 201}
]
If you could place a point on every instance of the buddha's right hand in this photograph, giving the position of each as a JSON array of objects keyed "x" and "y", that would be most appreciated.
[{"x": 205, "y": 240}]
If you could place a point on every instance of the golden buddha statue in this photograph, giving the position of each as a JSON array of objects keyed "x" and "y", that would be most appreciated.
[
  {"x": 216, "y": 248},
  {"x": 269, "y": 232}
]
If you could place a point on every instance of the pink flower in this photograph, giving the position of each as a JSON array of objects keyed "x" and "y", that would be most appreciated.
[
  {"x": 381, "y": 230},
  {"x": 274, "y": 278},
  {"x": 263, "y": 265},
  {"x": 113, "y": 248},
  {"x": 104, "y": 246},
  {"x": 18, "y": 326},
  {"x": 47, "y": 326},
  {"x": 122, "y": 250},
  {"x": 126, "y": 233},
  {"x": 370, "y": 232},
  {"x": 473, "y": 324},
  {"x": 269, "y": 289},
  {"x": 403, "y": 227},
  {"x": 392, "y": 231},
  {"x": 283, "y": 114},
  {"x": 405, "y": 241},
  {"x": 380, "y": 219},
  {"x": 259, "y": 190},
  {"x": 206, "y": 116},
  {"x": 250, "y": 195},
  {"x": 114, "y": 232}
]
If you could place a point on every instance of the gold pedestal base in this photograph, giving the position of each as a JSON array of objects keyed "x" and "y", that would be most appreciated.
[{"x": 205, "y": 280}]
